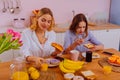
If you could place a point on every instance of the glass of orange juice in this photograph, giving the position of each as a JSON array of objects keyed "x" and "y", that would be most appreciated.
[
  {"x": 44, "y": 67},
  {"x": 107, "y": 69}
]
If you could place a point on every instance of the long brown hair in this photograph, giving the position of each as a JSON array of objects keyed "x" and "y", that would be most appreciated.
[
  {"x": 38, "y": 14},
  {"x": 75, "y": 22}
]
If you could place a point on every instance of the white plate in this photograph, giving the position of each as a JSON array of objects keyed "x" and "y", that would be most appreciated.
[
  {"x": 52, "y": 62},
  {"x": 93, "y": 56}
]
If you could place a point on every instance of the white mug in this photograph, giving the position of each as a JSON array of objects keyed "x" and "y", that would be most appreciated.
[{"x": 74, "y": 55}]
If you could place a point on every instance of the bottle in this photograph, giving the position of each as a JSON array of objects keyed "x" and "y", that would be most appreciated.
[
  {"x": 18, "y": 69},
  {"x": 89, "y": 56}
]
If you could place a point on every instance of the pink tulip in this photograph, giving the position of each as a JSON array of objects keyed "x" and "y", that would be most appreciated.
[
  {"x": 17, "y": 35},
  {"x": 10, "y": 31}
]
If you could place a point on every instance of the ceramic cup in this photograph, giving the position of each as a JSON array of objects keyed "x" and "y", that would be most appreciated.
[{"x": 74, "y": 54}]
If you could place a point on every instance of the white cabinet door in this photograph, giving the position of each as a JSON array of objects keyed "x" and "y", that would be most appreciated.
[
  {"x": 9, "y": 55},
  {"x": 110, "y": 38},
  {"x": 6, "y": 56},
  {"x": 60, "y": 38}
]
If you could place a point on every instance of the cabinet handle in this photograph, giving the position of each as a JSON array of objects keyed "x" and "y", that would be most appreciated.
[{"x": 107, "y": 30}]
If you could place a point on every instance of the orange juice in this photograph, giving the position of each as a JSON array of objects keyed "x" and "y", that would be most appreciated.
[
  {"x": 107, "y": 69},
  {"x": 44, "y": 67}
]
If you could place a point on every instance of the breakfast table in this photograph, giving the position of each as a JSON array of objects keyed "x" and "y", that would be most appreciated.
[{"x": 58, "y": 74}]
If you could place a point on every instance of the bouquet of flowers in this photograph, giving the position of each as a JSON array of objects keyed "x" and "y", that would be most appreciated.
[{"x": 10, "y": 40}]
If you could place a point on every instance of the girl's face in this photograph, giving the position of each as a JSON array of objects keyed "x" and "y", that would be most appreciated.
[
  {"x": 81, "y": 27},
  {"x": 44, "y": 22}
]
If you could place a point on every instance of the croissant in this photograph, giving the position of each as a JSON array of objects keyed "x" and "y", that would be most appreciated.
[{"x": 58, "y": 46}]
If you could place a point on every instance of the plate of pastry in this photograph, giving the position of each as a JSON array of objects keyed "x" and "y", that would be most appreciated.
[
  {"x": 52, "y": 62},
  {"x": 94, "y": 55},
  {"x": 114, "y": 60}
]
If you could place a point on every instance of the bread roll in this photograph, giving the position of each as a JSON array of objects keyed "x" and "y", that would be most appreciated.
[
  {"x": 89, "y": 45},
  {"x": 58, "y": 46}
]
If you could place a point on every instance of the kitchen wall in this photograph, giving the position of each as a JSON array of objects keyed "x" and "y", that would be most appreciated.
[{"x": 62, "y": 9}]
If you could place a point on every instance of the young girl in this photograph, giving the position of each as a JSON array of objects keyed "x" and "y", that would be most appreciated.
[{"x": 78, "y": 35}]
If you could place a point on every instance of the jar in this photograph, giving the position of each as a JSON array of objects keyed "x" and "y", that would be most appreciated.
[
  {"x": 19, "y": 23},
  {"x": 18, "y": 69}
]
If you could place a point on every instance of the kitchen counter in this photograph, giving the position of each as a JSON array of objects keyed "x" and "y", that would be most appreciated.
[
  {"x": 61, "y": 28},
  {"x": 4, "y": 28},
  {"x": 104, "y": 27}
]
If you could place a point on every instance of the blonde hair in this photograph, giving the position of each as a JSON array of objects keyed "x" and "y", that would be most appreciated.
[{"x": 39, "y": 13}]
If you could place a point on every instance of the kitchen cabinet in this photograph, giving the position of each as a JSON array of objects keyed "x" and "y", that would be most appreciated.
[
  {"x": 6, "y": 56},
  {"x": 9, "y": 55},
  {"x": 5, "y": 28},
  {"x": 109, "y": 37},
  {"x": 60, "y": 38}
]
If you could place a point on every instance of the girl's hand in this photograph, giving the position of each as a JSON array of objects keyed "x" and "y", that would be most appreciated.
[
  {"x": 56, "y": 52},
  {"x": 78, "y": 41},
  {"x": 97, "y": 47},
  {"x": 39, "y": 61},
  {"x": 94, "y": 48}
]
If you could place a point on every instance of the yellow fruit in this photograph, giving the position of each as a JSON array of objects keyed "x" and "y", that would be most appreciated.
[
  {"x": 63, "y": 69},
  {"x": 71, "y": 67},
  {"x": 73, "y": 62},
  {"x": 35, "y": 75},
  {"x": 20, "y": 75},
  {"x": 31, "y": 69}
]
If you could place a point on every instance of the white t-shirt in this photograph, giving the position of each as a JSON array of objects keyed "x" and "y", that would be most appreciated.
[{"x": 31, "y": 45}]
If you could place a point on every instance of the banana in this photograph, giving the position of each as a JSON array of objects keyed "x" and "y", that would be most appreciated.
[
  {"x": 72, "y": 67},
  {"x": 75, "y": 63},
  {"x": 64, "y": 69}
]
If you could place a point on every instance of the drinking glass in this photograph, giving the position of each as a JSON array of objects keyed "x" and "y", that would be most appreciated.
[
  {"x": 44, "y": 67},
  {"x": 18, "y": 69},
  {"x": 107, "y": 69}
]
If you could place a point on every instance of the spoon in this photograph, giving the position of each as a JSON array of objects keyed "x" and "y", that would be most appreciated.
[
  {"x": 17, "y": 6},
  {"x": 17, "y": 9},
  {"x": 11, "y": 9},
  {"x": 4, "y": 9}
]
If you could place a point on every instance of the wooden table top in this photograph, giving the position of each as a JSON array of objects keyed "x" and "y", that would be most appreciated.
[{"x": 93, "y": 66}]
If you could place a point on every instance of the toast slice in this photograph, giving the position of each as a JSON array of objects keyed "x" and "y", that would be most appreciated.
[
  {"x": 89, "y": 45},
  {"x": 88, "y": 75}
]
